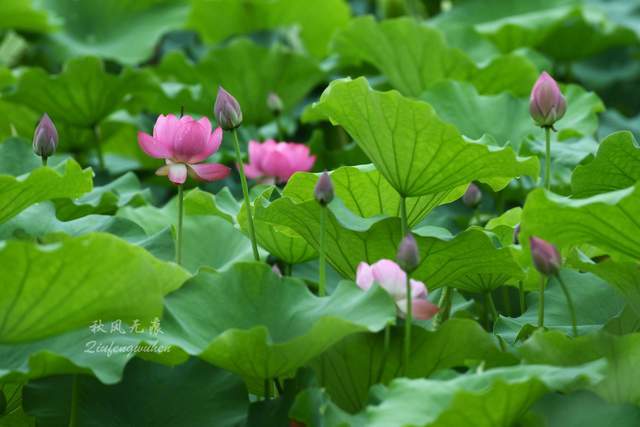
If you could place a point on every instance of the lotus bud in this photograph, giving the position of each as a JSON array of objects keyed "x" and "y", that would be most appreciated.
[
  {"x": 546, "y": 105},
  {"x": 472, "y": 196},
  {"x": 276, "y": 270},
  {"x": 274, "y": 103},
  {"x": 45, "y": 138},
  {"x": 516, "y": 234},
  {"x": 323, "y": 191},
  {"x": 227, "y": 110},
  {"x": 408, "y": 256},
  {"x": 546, "y": 257}
]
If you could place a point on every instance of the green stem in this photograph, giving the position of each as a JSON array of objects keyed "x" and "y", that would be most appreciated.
[
  {"x": 385, "y": 350},
  {"x": 572, "y": 310},
  {"x": 547, "y": 168},
  {"x": 44, "y": 160},
  {"x": 281, "y": 132},
  {"x": 491, "y": 305},
  {"x": 245, "y": 193},
  {"x": 445, "y": 307},
  {"x": 96, "y": 133},
  {"x": 322, "y": 284},
  {"x": 506, "y": 300},
  {"x": 541, "y": 302},
  {"x": 407, "y": 326},
  {"x": 523, "y": 306},
  {"x": 403, "y": 216},
  {"x": 179, "y": 228},
  {"x": 73, "y": 416}
]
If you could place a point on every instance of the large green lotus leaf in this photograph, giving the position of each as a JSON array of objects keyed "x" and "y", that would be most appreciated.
[
  {"x": 191, "y": 394},
  {"x": 96, "y": 276},
  {"x": 82, "y": 95},
  {"x": 563, "y": 29},
  {"x": 414, "y": 56},
  {"x": 16, "y": 119},
  {"x": 24, "y": 15},
  {"x": 17, "y": 158},
  {"x": 366, "y": 193},
  {"x": 506, "y": 117},
  {"x": 624, "y": 276},
  {"x": 67, "y": 180},
  {"x": 595, "y": 303},
  {"x": 96, "y": 28},
  {"x": 122, "y": 191},
  {"x": 497, "y": 397},
  {"x": 410, "y": 145},
  {"x": 252, "y": 322},
  {"x": 616, "y": 166},
  {"x": 249, "y": 72},
  {"x": 620, "y": 383},
  {"x": 607, "y": 221},
  {"x": 469, "y": 260},
  {"x": 314, "y": 22},
  {"x": 351, "y": 367}
]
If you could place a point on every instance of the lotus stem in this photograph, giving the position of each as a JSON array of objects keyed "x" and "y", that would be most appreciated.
[
  {"x": 547, "y": 168},
  {"x": 385, "y": 350},
  {"x": 179, "y": 228},
  {"x": 245, "y": 193},
  {"x": 403, "y": 216},
  {"x": 407, "y": 326},
  {"x": 96, "y": 133},
  {"x": 492, "y": 306},
  {"x": 445, "y": 307},
  {"x": 322, "y": 279},
  {"x": 523, "y": 306},
  {"x": 44, "y": 161},
  {"x": 541, "y": 302},
  {"x": 572, "y": 310}
]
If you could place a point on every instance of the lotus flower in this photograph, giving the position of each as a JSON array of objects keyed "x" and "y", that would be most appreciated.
[
  {"x": 546, "y": 257},
  {"x": 45, "y": 137},
  {"x": 388, "y": 275},
  {"x": 272, "y": 161},
  {"x": 546, "y": 105},
  {"x": 184, "y": 143}
]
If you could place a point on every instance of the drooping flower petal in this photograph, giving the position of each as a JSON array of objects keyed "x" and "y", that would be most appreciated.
[
  {"x": 153, "y": 147},
  {"x": 423, "y": 309},
  {"x": 177, "y": 172},
  {"x": 209, "y": 171}
]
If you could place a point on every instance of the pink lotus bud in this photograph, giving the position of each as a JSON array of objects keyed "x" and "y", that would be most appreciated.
[
  {"x": 408, "y": 256},
  {"x": 546, "y": 257},
  {"x": 472, "y": 196},
  {"x": 227, "y": 110},
  {"x": 45, "y": 138},
  {"x": 546, "y": 105},
  {"x": 323, "y": 191},
  {"x": 274, "y": 103}
]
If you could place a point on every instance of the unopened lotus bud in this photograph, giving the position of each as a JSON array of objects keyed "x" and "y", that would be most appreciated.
[
  {"x": 323, "y": 191},
  {"x": 546, "y": 105},
  {"x": 274, "y": 103},
  {"x": 227, "y": 110},
  {"x": 408, "y": 255},
  {"x": 45, "y": 138},
  {"x": 472, "y": 196},
  {"x": 546, "y": 257},
  {"x": 516, "y": 234}
]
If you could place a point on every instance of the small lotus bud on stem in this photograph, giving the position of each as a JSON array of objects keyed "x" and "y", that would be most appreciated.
[
  {"x": 472, "y": 196},
  {"x": 45, "y": 138},
  {"x": 546, "y": 257},
  {"x": 274, "y": 103},
  {"x": 227, "y": 110},
  {"x": 323, "y": 191},
  {"x": 408, "y": 256},
  {"x": 546, "y": 105}
]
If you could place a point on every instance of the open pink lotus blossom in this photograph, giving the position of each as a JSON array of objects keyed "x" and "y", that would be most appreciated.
[
  {"x": 184, "y": 143},
  {"x": 276, "y": 161},
  {"x": 388, "y": 275}
]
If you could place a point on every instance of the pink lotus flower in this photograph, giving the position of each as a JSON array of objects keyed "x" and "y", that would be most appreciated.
[
  {"x": 388, "y": 275},
  {"x": 276, "y": 161},
  {"x": 184, "y": 143}
]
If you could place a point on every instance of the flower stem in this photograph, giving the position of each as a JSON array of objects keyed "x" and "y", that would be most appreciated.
[
  {"x": 523, "y": 306},
  {"x": 407, "y": 326},
  {"x": 73, "y": 415},
  {"x": 245, "y": 193},
  {"x": 547, "y": 167},
  {"x": 572, "y": 310},
  {"x": 385, "y": 350},
  {"x": 179, "y": 228},
  {"x": 322, "y": 283},
  {"x": 541, "y": 302},
  {"x": 445, "y": 307},
  {"x": 44, "y": 160},
  {"x": 492, "y": 306},
  {"x": 96, "y": 133},
  {"x": 403, "y": 216}
]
